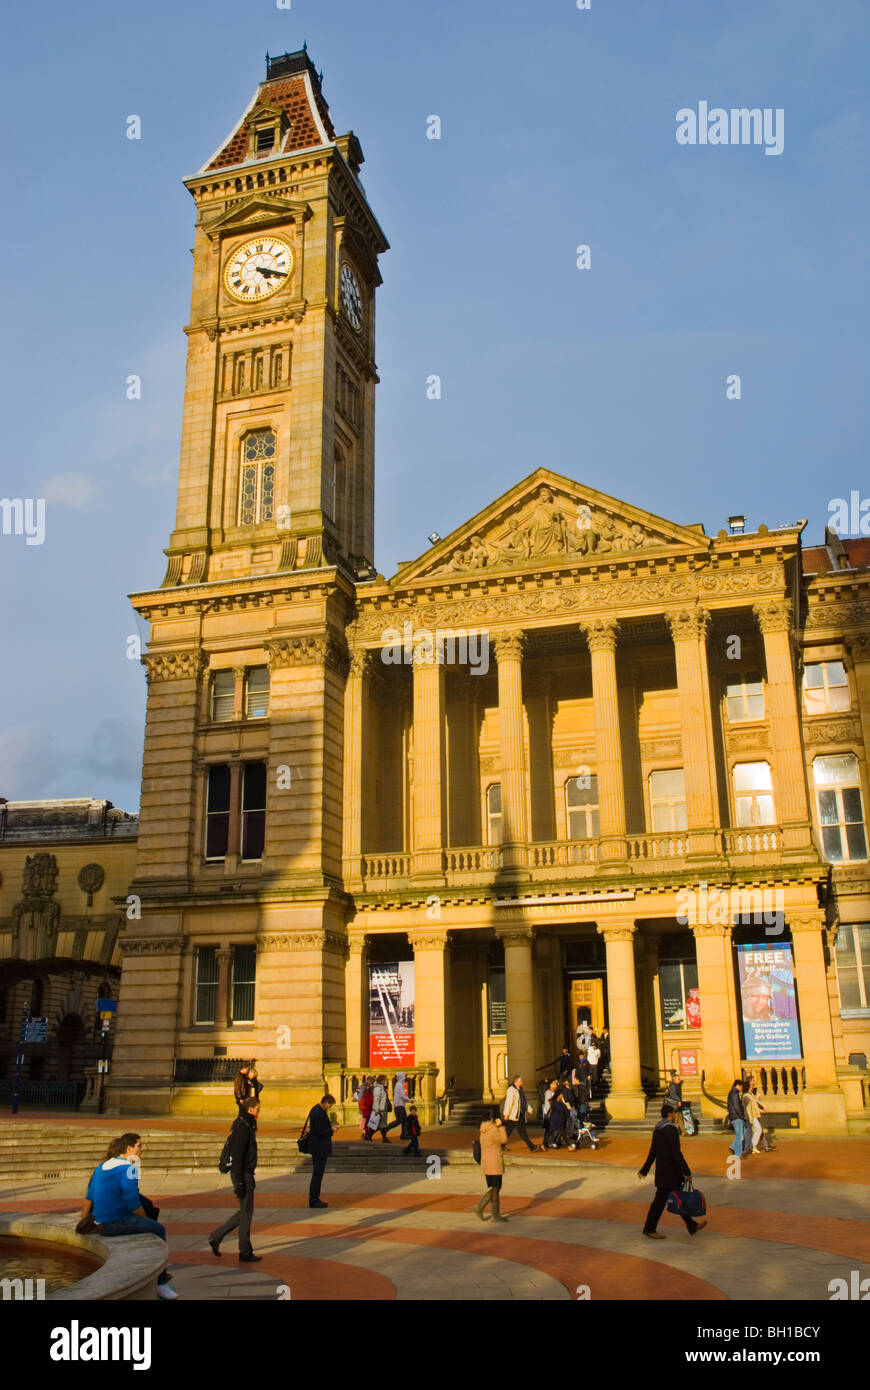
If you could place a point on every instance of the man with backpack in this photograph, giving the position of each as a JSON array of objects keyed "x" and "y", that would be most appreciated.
[{"x": 239, "y": 1159}]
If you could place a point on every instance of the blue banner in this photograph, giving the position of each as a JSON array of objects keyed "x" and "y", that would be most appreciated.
[{"x": 768, "y": 1003}]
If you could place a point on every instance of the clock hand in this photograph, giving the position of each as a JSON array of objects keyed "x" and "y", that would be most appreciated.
[{"x": 267, "y": 270}]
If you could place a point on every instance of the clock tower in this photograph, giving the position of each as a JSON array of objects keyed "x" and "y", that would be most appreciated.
[{"x": 238, "y": 892}]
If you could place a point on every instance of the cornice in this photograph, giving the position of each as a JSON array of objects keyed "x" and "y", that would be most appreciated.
[{"x": 282, "y": 586}]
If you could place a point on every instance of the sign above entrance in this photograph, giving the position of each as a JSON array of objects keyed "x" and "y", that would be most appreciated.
[{"x": 569, "y": 902}]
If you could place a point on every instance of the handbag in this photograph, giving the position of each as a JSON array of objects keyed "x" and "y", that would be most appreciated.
[
  {"x": 476, "y": 1151},
  {"x": 304, "y": 1139},
  {"x": 86, "y": 1225},
  {"x": 687, "y": 1201}
]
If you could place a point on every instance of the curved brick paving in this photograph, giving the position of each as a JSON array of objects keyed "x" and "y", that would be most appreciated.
[{"x": 793, "y": 1222}]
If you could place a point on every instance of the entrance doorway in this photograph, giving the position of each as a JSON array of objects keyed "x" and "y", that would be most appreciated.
[{"x": 587, "y": 1004}]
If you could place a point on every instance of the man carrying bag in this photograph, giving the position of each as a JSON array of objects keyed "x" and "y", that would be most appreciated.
[{"x": 671, "y": 1170}]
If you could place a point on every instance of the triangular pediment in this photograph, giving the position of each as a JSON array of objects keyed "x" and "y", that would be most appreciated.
[
  {"x": 548, "y": 520},
  {"x": 258, "y": 210}
]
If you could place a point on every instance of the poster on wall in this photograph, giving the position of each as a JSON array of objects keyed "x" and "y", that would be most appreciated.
[
  {"x": 391, "y": 1014},
  {"x": 768, "y": 1002}
]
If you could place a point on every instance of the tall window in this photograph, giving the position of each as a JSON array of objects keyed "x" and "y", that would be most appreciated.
[
  {"x": 223, "y": 695},
  {"x": 217, "y": 817},
  {"x": 841, "y": 813},
  {"x": 493, "y": 814},
  {"x": 753, "y": 794},
  {"x": 244, "y": 979},
  {"x": 853, "y": 966},
  {"x": 253, "y": 810},
  {"x": 581, "y": 807},
  {"x": 744, "y": 699},
  {"x": 257, "y": 692},
  {"x": 257, "y": 491},
  {"x": 667, "y": 800},
  {"x": 826, "y": 688},
  {"x": 205, "y": 1001}
]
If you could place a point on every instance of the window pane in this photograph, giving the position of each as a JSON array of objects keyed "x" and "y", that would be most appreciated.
[
  {"x": 248, "y": 508},
  {"x": 253, "y": 810},
  {"x": 244, "y": 975},
  {"x": 755, "y": 707},
  {"x": 863, "y": 935},
  {"x": 493, "y": 799},
  {"x": 223, "y": 687},
  {"x": 836, "y": 770},
  {"x": 743, "y": 807},
  {"x": 667, "y": 784},
  {"x": 205, "y": 1006},
  {"x": 847, "y": 968},
  {"x": 661, "y": 818},
  {"x": 852, "y": 811},
  {"x": 750, "y": 777},
  {"x": 735, "y": 708},
  {"x": 268, "y": 492},
  {"x": 766, "y": 814},
  {"x": 257, "y": 692},
  {"x": 218, "y": 788},
  {"x": 254, "y": 787},
  {"x": 836, "y": 673},
  {"x": 813, "y": 678},
  {"x": 832, "y": 843},
  {"x": 839, "y": 699},
  {"x": 217, "y": 812},
  {"x": 856, "y": 842},
  {"x": 828, "y": 808}
]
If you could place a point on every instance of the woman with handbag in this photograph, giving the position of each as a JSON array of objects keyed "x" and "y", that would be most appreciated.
[
  {"x": 365, "y": 1100},
  {"x": 492, "y": 1139},
  {"x": 377, "y": 1121}
]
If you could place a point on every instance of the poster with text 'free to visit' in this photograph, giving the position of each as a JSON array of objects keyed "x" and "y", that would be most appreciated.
[
  {"x": 768, "y": 1003},
  {"x": 391, "y": 1014}
]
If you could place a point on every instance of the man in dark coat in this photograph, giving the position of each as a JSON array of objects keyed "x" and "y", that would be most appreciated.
[
  {"x": 243, "y": 1147},
  {"x": 320, "y": 1147},
  {"x": 671, "y": 1169}
]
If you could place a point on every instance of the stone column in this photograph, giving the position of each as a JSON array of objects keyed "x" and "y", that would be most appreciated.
[
  {"x": 648, "y": 1018},
  {"x": 428, "y": 777},
  {"x": 721, "y": 1044},
  {"x": 689, "y": 632},
  {"x": 431, "y": 1001},
  {"x": 355, "y": 758},
  {"x": 223, "y": 1014},
  {"x": 626, "y": 1100},
  {"x": 540, "y": 706},
  {"x": 520, "y": 1004},
  {"x": 601, "y": 636},
  {"x": 508, "y": 649},
  {"x": 145, "y": 1045},
  {"x": 790, "y": 785},
  {"x": 356, "y": 989},
  {"x": 860, "y": 650},
  {"x": 824, "y": 1104}
]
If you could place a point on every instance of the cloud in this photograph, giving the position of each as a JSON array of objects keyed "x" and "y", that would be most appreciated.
[
  {"x": 70, "y": 490},
  {"x": 29, "y": 762},
  {"x": 114, "y": 749}
]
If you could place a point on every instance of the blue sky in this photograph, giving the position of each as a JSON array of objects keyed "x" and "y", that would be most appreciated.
[{"x": 558, "y": 128}]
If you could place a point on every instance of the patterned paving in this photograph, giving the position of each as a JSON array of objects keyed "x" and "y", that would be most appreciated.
[{"x": 573, "y": 1231}]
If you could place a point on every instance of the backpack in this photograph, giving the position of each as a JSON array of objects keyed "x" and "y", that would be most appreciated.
[
  {"x": 476, "y": 1152},
  {"x": 225, "y": 1162}
]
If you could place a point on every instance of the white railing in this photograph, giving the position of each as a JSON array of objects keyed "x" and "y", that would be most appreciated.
[
  {"x": 559, "y": 852},
  {"x": 386, "y": 865},
  {"x": 475, "y": 859},
  {"x": 763, "y": 840}
]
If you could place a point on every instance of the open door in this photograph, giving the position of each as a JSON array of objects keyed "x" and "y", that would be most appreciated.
[{"x": 587, "y": 1002}]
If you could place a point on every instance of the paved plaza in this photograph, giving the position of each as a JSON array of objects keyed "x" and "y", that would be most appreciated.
[{"x": 794, "y": 1221}]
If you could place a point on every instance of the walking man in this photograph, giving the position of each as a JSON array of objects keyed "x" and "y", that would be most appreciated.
[
  {"x": 737, "y": 1117},
  {"x": 243, "y": 1147},
  {"x": 671, "y": 1168},
  {"x": 320, "y": 1147},
  {"x": 516, "y": 1107},
  {"x": 400, "y": 1106}
]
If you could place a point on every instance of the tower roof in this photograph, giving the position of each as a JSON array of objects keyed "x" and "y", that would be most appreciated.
[{"x": 292, "y": 88}]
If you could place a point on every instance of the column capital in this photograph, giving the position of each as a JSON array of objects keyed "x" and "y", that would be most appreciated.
[
  {"x": 309, "y": 650},
  {"x": 601, "y": 634},
  {"x": 223, "y": 955},
  {"x": 624, "y": 929},
  {"x": 428, "y": 939},
  {"x": 174, "y": 666},
  {"x": 689, "y": 624},
  {"x": 515, "y": 936},
  {"x": 361, "y": 662},
  {"x": 711, "y": 929},
  {"x": 807, "y": 921},
  {"x": 773, "y": 616},
  {"x": 508, "y": 646},
  {"x": 357, "y": 943},
  {"x": 427, "y": 654}
]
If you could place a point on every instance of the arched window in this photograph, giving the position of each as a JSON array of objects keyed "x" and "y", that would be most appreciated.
[
  {"x": 581, "y": 807},
  {"x": 257, "y": 487},
  {"x": 493, "y": 814}
]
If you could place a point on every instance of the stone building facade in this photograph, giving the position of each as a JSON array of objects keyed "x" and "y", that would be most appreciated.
[
  {"x": 576, "y": 760},
  {"x": 64, "y": 870}
]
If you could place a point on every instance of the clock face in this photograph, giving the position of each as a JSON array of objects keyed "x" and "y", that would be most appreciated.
[
  {"x": 258, "y": 269},
  {"x": 351, "y": 297}
]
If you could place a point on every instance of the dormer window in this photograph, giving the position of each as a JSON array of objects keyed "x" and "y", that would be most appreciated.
[{"x": 265, "y": 139}]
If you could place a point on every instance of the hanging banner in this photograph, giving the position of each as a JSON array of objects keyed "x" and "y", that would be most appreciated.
[
  {"x": 391, "y": 1014},
  {"x": 768, "y": 1003}
]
